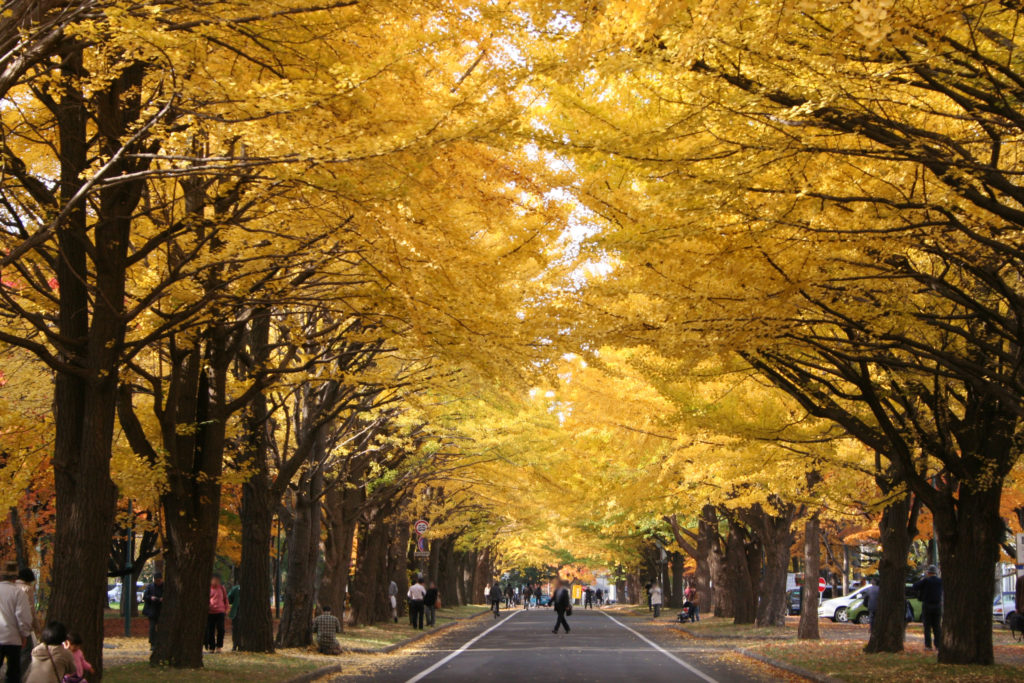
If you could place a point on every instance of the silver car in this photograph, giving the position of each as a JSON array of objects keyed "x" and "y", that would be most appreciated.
[{"x": 1004, "y": 606}]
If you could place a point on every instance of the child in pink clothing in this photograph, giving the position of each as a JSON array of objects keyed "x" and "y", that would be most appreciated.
[{"x": 81, "y": 664}]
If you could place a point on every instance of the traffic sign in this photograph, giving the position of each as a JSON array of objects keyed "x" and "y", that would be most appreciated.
[
  {"x": 421, "y": 527},
  {"x": 821, "y": 585}
]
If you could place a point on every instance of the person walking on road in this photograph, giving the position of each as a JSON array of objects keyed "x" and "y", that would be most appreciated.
[
  {"x": 327, "y": 627},
  {"x": 417, "y": 594},
  {"x": 600, "y": 597},
  {"x": 537, "y": 594},
  {"x": 562, "y": 603},
  {"x": 431, "y": 601},
  {"x": 393, "y": 600},
  {"x": 929, "y": 592},
  {"x": 152, "y": 599},
  {"x": 655, "y": 595},
  {"x": 496, "y": 599},
  {"x": 527, "y": 595},
  {"x": 215, "y": 617},
  {"x": 15, "y": 622}
]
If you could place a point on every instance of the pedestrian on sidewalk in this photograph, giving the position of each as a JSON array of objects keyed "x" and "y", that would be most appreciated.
[
  {"x": 431, "y": 602},
  {"x": 871, "y": 601},
  {"x": 495, "y": 595},
  {"x": 417, "y": 594},
  {"x": 234, "y": 599},
  {"x": 218, "y": 607},
  {"x": 27, "y": 583},
  {"x": 562, "y": 603},
  {"x": 152, "y": 599},
  {"x": 929, "y": 592},
  {"x": 655, "y": 596},
  {"x": 393, "y": 600},
  {"x": 15, "y": 621},
  {"x": 690, "y": 596},
  {"x": 327, "y": 627}
]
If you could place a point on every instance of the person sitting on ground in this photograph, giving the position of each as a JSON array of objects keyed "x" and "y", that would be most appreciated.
[
  {"x": 82, "y": 665},
  {"x": 327, "y": 627},
  {"x": 50, "y": 659}
]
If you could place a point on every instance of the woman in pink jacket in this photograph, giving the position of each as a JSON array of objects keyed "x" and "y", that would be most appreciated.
[{"x": 215, "y": 619}]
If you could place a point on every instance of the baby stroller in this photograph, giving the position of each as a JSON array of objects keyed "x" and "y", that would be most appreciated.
[{"x": 689, "y": 613}]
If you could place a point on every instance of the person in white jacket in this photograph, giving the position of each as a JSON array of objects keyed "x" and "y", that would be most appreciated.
[
  {"x": 15, "y": 621},
  {"x": 656, "y": 599}
]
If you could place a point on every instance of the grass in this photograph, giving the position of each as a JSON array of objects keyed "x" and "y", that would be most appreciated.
[
  {"x": 846, "y": 661},
  {"x": 225, "y": 667}
]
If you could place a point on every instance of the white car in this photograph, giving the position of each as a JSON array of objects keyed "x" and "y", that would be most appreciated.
[
  {"x": 1003, "y": 606},
  {"x": 837, "y": 609}
]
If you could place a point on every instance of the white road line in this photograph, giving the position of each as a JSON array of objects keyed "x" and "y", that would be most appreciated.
[
  {"x": 659, "y": 648},
  {"x": 431, "y": 669}
]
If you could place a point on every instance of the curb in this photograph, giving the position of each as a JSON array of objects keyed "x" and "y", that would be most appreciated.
[
  {"x": 316, "y": 675},
  {"x": 791, "y": 668}
]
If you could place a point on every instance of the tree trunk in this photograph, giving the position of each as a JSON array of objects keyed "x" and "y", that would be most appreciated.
[
  {"x": 341, "y": 508},
  {"x": 709, "y": 558},
  {"x": 303, "y": 541},
  {"x": 741, "y": 559},
  {"x": 481, "y": 575},
  {"x": 447, "y": 571},
  {"x": 191, "y": 503},
  {"x": 889, "y": 625},
  {"x": 968, "y": 549},
  {"x": 776, "y": 536},
  {"x": 808, "y": 627},
  {"x": 633, "y": 587},
  {"x": 254, "y": 631},
  {"x": 678, "y": 566},
  {"x": 369, "y": 588},
  {"x": 398, "y": 560}
]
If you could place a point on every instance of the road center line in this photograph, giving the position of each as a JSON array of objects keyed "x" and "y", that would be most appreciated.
[
  {"x": 659, "y": 648},
  {"x": 431, "y": 669}
]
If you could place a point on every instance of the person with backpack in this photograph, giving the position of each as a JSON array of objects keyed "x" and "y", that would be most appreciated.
[{"x": 561, "y": 601}]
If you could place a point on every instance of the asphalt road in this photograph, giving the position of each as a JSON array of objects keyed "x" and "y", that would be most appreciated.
[{"x": 521, "y": 647}]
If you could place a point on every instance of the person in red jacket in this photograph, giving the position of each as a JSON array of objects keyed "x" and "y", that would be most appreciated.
[{"x": 215, "y": 619}]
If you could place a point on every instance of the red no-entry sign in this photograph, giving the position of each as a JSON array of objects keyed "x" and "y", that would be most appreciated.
[{"x": 821, "y": 585}]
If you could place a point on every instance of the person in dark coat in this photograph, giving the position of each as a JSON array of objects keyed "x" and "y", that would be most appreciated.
[
  {"x": 871, "y": 600},
  {"x": 561, "y": 601},
  {"x": 496, "y": 598},
  {"x": 152, "y": 599},
  {"x": 929, "y": 592}
]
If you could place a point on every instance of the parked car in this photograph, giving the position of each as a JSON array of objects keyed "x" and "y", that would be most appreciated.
[
  {"x": 858, "y": 611},
  {"x": 1004, "y": 606},
  {"x": 837, "y": 609},
  {"x": 114, "y": 593},
  {"x": 794, "y": 598}
]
